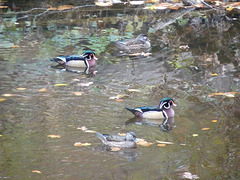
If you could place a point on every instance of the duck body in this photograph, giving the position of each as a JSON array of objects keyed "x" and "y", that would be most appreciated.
[
  {"x": 127, "y": 141},
  {"x": 141, "y": 42},
  {"x": 164, "y": 110},
  {"x": 87, "y": 59}
]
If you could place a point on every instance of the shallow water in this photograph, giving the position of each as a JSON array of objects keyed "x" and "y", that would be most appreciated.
[{"x": 29, "y": 116}]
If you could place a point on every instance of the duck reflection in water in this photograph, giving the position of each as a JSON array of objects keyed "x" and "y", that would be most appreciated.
[
  {"x": 166, "y": 125},
  {"x": 84, "y": 70}
]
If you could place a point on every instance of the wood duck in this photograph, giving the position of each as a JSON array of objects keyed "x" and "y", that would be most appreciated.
[
  {"x": 127, "y": 141},
  {"x": 164, "y": 110},
  {"x": 141, "y": 42},
  {"x": 87, "y": 59}
]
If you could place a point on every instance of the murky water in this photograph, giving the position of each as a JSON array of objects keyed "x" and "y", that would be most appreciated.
[{"x": 28, "y": 116}]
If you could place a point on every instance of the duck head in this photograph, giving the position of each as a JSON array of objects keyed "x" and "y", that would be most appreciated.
[
  {"x": 143, "y": 38},
  {"x": 89, "y": 55},
  {"x": 166, "y": 103},
  {"x": 130, "y": 136}
]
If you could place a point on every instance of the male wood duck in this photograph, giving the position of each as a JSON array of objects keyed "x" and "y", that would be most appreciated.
[
  {"x": 127, "y": 141},
  {"x": 164, "y": 110},
  {"x": 141, "y": 42},
  {"x": 87, "y": 59}
]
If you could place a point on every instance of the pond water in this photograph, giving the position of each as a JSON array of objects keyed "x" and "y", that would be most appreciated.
[{"x": 191, "y": 59}]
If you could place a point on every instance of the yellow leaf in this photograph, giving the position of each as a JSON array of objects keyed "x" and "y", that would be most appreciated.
[
  {"x": 15, "y": 46},
  {"x": 61, "y": 85},
  {"x": 42, "y": 90},
  {"x": 119, "y": 100},
  {"x": 1, "y": 135},
  {"x": 214, "y": 121},
  {"x": 214, "y": 74},
  {"x": 21, "y": 89},
  {"x": 161, "y": 145},
  {"x": 142, "y": 142},
  {"x": 3, "y": 7},
  {"x": 79, "y": 144},
  {"x": 78, "y": 93},
  {"x": 36, "y": 171},
  {"x": 54, "y": 136},
  {"x": 164, "y": 142},
  {"x": 8, "y": 95},
  {"x": 64, "y": 7},
  {"x": 205, "y": 129},
  {"x": 229, "y": 8},
  {"x": 115, "y": 149},
  {"x": 122, "y": 134},
  {"x": 1, "y": 99},
  {"x": 229, "y": 95},
  {"x": 195, "y": 135}
]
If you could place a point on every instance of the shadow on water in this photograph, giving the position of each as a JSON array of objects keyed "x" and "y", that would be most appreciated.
[{"x": 194, "y": 60}]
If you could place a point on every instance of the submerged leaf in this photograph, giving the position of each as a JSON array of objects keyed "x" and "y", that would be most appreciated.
[
  {"x": 21, "y": 89},
  {"x": 36, "y": 171},
  {"x": 195, "y": 135},
  {"x": 205, "y": 129},
  {"x": 79, "y": 144},
  {"x": 78, "y": 93},
  {"x": 61, "y": 85},
  {"x": 83, "y": 128},
  {"x": 42, "y": 90},
  {"x": 54, "y": 136},
  {"x": 114, "y": 149},
  {"x": 1, "y": 99},
  {"x": 161, "y": 145},
  {"x": 214, "y": 121}
]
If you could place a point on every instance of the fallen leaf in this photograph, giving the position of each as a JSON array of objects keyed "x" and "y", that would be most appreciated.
[
  {"x": 36, "y": 171},
  {"x": 103, "y": 4},
  {"x": 205, "y": 129},
  {"x": 79, "y": 144},
  {"x": 64, "y": 7},
  {"x": 136, "y": 2},
  {"x": 8, "y": 95},
  {"x": 1, "y": 99},
  {"x": 114, "y": 149},
  {"x": 78, "y": 93},
  {"x": 1, "y": 135},
  {"x": 122, "y": 134},
  {"x": 119, "y": 100},
  {"x": 142, "y": 142},
  {"x": 214, "y": 121},
  {"x": 164, "y": 142},
  {"x": 3, "y": 7},
  {"x": 54, "y": 136},
  {"x": 90, "y": 131},
  {"x": 228, "y": 94},
  {"x": 42, "y": 90},
  {"x": 195, "y": 135},
  {"x": 15, "y": 46},
  {"x": 52, "y": 9},
  {"x": 21, "y": 89},
  {"x": 61, "y": 85},
  {"x": 214, "y": 74},
  {"x": 161, "y": 145}
]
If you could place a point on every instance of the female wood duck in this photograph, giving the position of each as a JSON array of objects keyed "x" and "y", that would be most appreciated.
[
  {"x": 164, "y": 110},
  {"x": 127, "y": 141},
  {"x": 141, "y": 42},
  {"x": 87, "y": 59}
]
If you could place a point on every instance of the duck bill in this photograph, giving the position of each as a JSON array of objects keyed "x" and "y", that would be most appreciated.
[
  {"x": 95, "y": 58},
  {"x": 174, "y": 104}
]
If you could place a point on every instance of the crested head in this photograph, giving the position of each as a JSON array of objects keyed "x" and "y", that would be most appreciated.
[
  {"x": 142, "y": 37},
  {"x": 89, "y": 54},
  {"x": 166, "y": 103}
]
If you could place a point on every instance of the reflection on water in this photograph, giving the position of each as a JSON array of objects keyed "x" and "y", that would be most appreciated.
[{"x": 188, "y": 75}]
